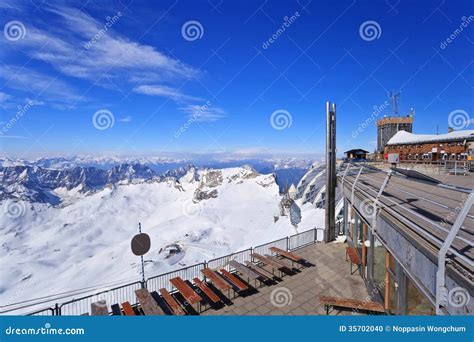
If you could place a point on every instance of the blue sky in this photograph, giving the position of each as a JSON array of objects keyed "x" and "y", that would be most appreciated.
[{"x": 214, "y": 87}]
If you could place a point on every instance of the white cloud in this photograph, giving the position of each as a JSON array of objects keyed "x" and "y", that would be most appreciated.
[
  {"x": 164, "y": 91},
  {"x": 205, "y": 113},
  {"x": 39, "y": 85},
  {"x": 82, "y": 48},
  {"x": 4, "y": 97}
]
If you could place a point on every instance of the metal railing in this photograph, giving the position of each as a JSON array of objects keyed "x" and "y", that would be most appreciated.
[
  {"x": 81, "y": 306},
  {"x": 265, "y": 248},
  {"x": 162, "y": 280},
  {"x": 126, "y": 292},
  {"x": 222, "y": 261}
]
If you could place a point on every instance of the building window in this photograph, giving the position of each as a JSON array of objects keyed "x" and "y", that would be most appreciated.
[{"x": 418, "y": 304}]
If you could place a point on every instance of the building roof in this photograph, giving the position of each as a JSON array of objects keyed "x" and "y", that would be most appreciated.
[
  {"x": 403, "y": 137},
  {"x": 357, "y": 150}
]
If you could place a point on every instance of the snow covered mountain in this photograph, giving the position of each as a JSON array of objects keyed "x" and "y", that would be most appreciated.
[{"x": 82, "y": 238}]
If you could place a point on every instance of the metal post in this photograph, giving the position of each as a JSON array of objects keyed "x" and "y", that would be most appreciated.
[
  {"x": 329, "y": 232},
  {"x": 376, "y": 201},
  {"x": 141, "y": 258},
  {"x": 441, "y": 290}
]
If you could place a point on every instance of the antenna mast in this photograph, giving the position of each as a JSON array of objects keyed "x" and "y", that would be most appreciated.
[{"x": 394, "y": 96}]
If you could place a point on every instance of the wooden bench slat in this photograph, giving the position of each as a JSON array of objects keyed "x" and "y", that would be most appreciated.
[
  {"x": 283, "y": 262},
  {"x": 263, "y": 272},
  {"x": 99, "y": 308},
  {"x": 187, "y": 291},
  {"x": 172, "y": 303},
  {"x": 286, "y": 254},
  {"x": 351, "y": 303},
  {"x": 266, "y": 261},
  {"x": 207, "y": 291},
  {"x": 353, "y": 255},
  {"x": 127, "y": 309},
  {"x": 216, "y": 279},
  {"x": 116, "y": 311},
  {"x": 234, "y": 280},
  {"x": 147, "y": 303},
  {"x": 244, "y": 270}
]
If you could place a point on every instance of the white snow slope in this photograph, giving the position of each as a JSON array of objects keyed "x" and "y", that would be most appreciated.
[{"x": 86, "y": 242}]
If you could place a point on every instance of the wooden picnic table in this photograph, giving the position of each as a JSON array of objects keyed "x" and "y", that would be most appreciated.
[
  {"x": 127, "y": 309},
  {"x": 172, "y": 302},
  {"x": 283, "y": 262},
  {"x": 350, "y": 304},
  {"x": 187, "y": 291},
  {"x": 147, "y": 303},
  {"x": 263, "y": 272},
  {"x": 240, "y": 285},
  {"x": 207, "y": 291},
  {"x": 267, "y": 261},
  {"x": 288, "y": 255},
  {"x": 99, "y": 308},
  {"x": 216, "y": 279},
  {"x": 244, "y": 270}
]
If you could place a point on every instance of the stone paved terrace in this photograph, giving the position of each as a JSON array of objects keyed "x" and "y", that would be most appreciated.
[{"x": 330, "y": 276}]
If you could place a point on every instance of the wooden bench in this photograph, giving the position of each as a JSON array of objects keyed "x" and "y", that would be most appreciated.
[
  {"x": 207, "y": 291},
  {"x": 127, "y": 309},
  {"x": 245, "y": 271},
  {"x": 240, "y": 285},
  {"x": 187, "y": 291},
  {"x": 354, "y": 258},
  {"x": 291, "y": 256},
  {"x": 99, "y": 308},
  {"x": 348, "y": 303},
  {"x": 116, "y": 311},
  {"x": 264, "y": 260},
  {"x": 283, "y": 262},
  {"x": 263, "y": 272},
  {"x": 172, "y": 303},
  {"x": 216, "y": 279},
  {"x": 147, "y": 303}
]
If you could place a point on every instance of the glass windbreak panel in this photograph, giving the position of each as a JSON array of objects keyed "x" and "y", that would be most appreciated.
[
  {"x": 393, "y": 295},
  {"x": 379, "y": 265},
  {"x": 418, "y": 304}
]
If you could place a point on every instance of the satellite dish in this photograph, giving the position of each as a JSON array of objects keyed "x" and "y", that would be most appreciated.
[{"x": 141, "y": 244}]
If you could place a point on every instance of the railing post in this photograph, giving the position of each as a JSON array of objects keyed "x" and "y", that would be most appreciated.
[
  {"x": 57, "y": 310},
  {"x": 288, "y": 243},
  {"x": 441, "y": 290},
  {"x": 376, "y": 201}
]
